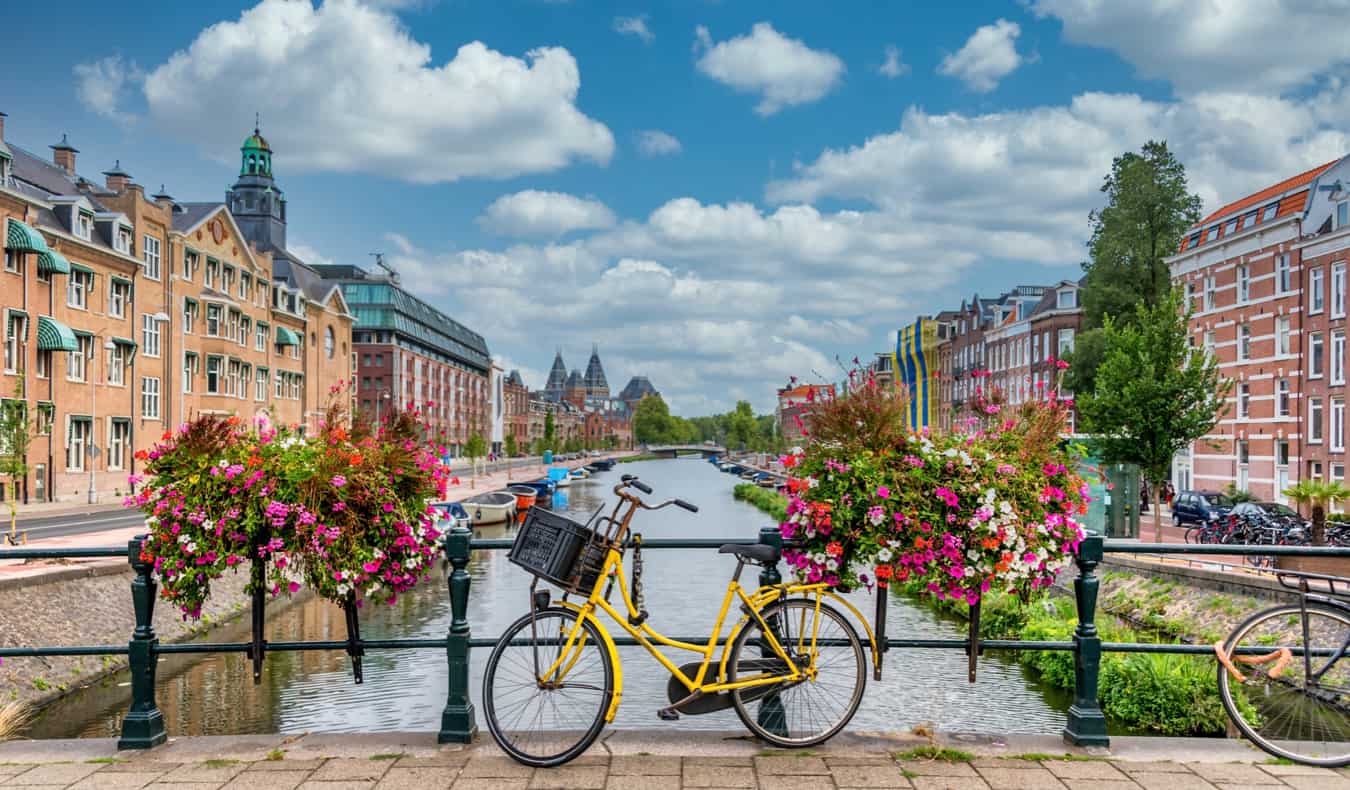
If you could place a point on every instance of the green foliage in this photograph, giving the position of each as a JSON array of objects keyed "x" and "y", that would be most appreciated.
[
  {"x": 476, "y": 446},
  {"x": 549, "y": 429},
  {"x": 1155, "y": 393},
  {"x": 742, "y": 430},
  {"x": 940, "y": 753},
  {"x": 769, "y": 501},
  {"x": 1317, "y": 493},
  {"x": 1237, "y": 495},
  {"x": 510, "y": 445},
  {"x": 1170, "y": 694},
  {"x": 1148, "y": 209},
  {"x": 651, "y": 421}
]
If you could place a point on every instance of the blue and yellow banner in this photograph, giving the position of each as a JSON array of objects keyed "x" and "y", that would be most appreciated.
[{"x": 916, "y": 370}]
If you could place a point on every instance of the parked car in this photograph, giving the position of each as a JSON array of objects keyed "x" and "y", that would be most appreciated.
[
  {"x": 1268, "y": 513},
  {"x": 1199, "y": 507}
]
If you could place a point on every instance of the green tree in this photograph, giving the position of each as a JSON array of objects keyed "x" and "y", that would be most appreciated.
[
  {"x": 651, "y": 421},
  {"x": 1317, "y": 493},
  {"x": 15, "y": 436},
  {"x": 548, "y": 428},
  {"x": 742, "y": 430},
  {"x": 1148, "y": 209},
  {"x": 511, "y": 446},
  {"x": 1155, "y": 393},
  {"x": 476, "y": 447}
]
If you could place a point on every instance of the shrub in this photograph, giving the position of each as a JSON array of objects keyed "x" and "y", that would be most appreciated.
[{"x": 770, "y": 502}]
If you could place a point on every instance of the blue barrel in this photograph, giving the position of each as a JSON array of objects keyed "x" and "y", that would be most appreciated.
[{"x": 548, "y": 457}]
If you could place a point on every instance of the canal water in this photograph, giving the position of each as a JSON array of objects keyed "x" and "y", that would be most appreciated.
[{"x": 404, "y": 690}]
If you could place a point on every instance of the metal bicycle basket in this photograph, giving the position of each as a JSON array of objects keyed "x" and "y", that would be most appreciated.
[{"x": 559, "y": 550}]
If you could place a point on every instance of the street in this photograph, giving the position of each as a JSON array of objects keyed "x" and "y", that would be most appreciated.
[{"x": 63, "y": 524}]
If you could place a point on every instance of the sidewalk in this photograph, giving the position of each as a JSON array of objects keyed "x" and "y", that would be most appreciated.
[{"x": 655, "y": 760}]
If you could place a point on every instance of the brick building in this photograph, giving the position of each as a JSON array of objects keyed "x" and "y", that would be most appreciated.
[
  {"x": 517, "y": 412},
  {"x": 1266, "y": 278},
  {"x": 793, "y": 402}
]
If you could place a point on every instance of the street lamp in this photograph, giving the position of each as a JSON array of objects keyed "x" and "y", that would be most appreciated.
[
  {"x": 383, "y": 396},
  {"x": 90, "y": 449}
]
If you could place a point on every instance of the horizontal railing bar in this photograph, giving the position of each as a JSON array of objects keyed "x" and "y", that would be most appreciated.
[
  {"x": 1112, "y": 547},
  {"x": 71, "y": 650},
  {"x": 64, "y": 554}
]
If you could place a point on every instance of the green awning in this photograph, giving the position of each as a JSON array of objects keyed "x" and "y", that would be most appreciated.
[
  {"x": 16, "y": 311},
  {"x": 117, "y": 278},
  {"x": 23, "y": 238},
  {"x": 286, "y": 337},
  {"x": 80, "y": 267},
  {"x": 55, "y": 336},
  {"x": 54, "y": 262},
  {"x": 130, "y": 344}
]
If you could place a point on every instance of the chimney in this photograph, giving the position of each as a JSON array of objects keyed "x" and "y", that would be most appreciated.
[
  {"x": 117, "y": 178},
  {"x": 2, "y": 127},
  {"x": 163, "y": 199},
  {"x": 63, "y": 154}
]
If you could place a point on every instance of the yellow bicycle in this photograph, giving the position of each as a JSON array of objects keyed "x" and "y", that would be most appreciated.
[{"x": 792, "y": 666}]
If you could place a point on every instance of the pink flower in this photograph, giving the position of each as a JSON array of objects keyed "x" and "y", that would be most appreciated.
[
  {"x": 338, "y": 481},
  {"x": 883, "y": 492}
]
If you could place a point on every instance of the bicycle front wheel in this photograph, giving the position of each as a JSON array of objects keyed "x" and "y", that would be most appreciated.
[
  {"x": 1303, "y": 712},
  {"x": 546, "y": 687},
  {"x": 825, "y": 646}
]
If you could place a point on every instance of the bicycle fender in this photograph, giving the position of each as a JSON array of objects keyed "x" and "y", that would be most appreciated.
[
  {"x": 867, "y": 628},
  {"x": 610, "y": 648}
]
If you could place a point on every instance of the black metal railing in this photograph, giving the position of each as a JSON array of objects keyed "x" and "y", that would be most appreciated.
[{"x": 143, "y": 725}]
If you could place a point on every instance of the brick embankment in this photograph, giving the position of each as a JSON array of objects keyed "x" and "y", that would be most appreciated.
[
  {"x": 91, "y": 608},
  {"x": 664, "y": 760}
]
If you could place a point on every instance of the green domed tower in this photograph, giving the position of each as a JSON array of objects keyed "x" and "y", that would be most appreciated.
[{"x": 255, "y": 201}]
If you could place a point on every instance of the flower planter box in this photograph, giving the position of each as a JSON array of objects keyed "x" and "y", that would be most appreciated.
[{"x": 1334, "y": 566}]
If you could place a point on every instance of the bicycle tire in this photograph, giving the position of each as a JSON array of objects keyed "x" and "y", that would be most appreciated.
[
  {"x": 1193, "y": 534},
  {"x": 1281, "y": 700},
  {"x": 564, "y": 747},
  {"x": 752, "y": 703}
]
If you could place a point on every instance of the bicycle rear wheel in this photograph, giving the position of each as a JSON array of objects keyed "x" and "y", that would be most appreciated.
[
  {"x": 809, "y": 711},
  {"x": 1303, "y": 714},
  {"x": 549, "y": 722}
]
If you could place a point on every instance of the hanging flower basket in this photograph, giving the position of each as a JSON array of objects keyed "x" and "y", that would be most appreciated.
[
  {"x": 991, "y": 505},
  {"x": 344, "y": 512}
]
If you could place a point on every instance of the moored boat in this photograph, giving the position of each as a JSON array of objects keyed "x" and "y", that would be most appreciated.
[
  {"x": 452, "y": 514},
  {"x": 492, "y": 507},
  {"x": 579, "y": 474},
  {"x": 543, "y": 488},
  {"x": 603, "y": 465},
  {"x": 525, "y": 496},
  {"x": 560, "y": 475}
]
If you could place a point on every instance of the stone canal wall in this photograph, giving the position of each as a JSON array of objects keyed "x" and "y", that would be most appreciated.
[{"x": 90, "y": 605}]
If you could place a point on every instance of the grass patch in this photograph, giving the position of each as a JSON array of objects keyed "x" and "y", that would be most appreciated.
[
  {"x": 219, "y": 763},
  {"x": 1278, "y": 761},
  {"x": 387, "y": 756},
  {"x": 1065, "y": 757},
  {"x": 942, "y": 753},
  {"x": 643, "y": 457},
  {"x": 275, "y": 755},
  {"x": 105, "y": 761},
  {"x": 766, "y": 499}
]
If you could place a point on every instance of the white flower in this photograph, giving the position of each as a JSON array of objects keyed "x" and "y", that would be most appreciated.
[
  {"x": 884, "y": 555},
  {"x": 183, "y": 539},
  {"x": 950, "y": 452},
  {"x": 797, "y": 451},
  {"x": 831, "y": 564},
  {"x": 811, "y": 482},
  {"x": 224, "y": 462},
  {"x": 343, "y": 589},
  {"x": 191, "y": 547}
]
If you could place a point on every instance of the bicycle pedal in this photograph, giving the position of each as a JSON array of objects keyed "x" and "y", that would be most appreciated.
[{"x": 668, "y": 714}]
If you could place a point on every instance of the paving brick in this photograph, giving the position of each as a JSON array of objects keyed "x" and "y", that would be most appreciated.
[
  {"x": 1032, "y": 777},
  {"x": 489, "y": 783},
  {"x": 1170, "y": 781},
  {"x": 643, "y": 782},
  {"x": 790, "y": 766},
  {"x": 182, "y": 786},
  {"x": 54, "y": 774},
  {"x": 8, "y": 771},
  {"x": 117, "y": 780},
  {"x": 1298, "y": 770},
  {"x": 868, "y": 775},
  {"x": 436, "y": 777},
  {"x": 266, "y": 780},
  {"x": 570, "y": 777},
  {"x": 1318, "y": 782},
  {"x": 495, "y": 767},
  {"x": 136, "y": 767},
  {"x": 338, "y": 785},
  {"x": 1100, "y": 784},
  {"x": 858, "y": 759},
  {"x": 285, "y": 765},
  {"x": 218, "y": 772},
  {"x": 949, "y": 783},
  {"x": 700, "y": 774},
  {"x": 1234, "y": 773},
  {"x": 937, "y": 768},
  {"x": 445, "y": 759},
  {"x": 805, "y": 782},
  {"x": 350, "y": 769},
  {"x": 643, "y": 765},
  {"x": 1158, "y": 767},
  {"x": 1084, "y": 769}
]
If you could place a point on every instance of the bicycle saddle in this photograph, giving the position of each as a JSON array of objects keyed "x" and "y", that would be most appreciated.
[{"x": 758, "y": 552}]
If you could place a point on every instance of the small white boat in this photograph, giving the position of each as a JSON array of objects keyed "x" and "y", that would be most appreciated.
[
  {"x": 580, "y": 473},
  {"x": 492, "y": 507},
  {"x": 452, "y": 514},
  {"x": 564, "y": 481}
]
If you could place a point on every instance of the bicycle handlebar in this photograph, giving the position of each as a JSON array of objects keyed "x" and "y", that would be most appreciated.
[
  {"x": 632, "y": 481},
  {"x": 687, "y": 506}
]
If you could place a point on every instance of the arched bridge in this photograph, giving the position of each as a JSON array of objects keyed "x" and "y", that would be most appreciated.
[{"x": 672, "y": 450}]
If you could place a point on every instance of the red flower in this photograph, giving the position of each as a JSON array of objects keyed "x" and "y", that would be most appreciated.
[
  {"x": 141, "y": 455},
  {"x": 834, "y": 549},
  {"x": 883, "y": 571}
]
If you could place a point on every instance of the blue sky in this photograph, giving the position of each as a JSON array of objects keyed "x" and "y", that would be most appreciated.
[{"x": 722, "y": 194}]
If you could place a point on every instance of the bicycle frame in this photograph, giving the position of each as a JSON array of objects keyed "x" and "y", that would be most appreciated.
[{"x": 1316, "y": 677}]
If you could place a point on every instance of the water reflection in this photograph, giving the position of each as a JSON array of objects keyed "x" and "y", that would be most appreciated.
[{"x": 405, "y": 689}]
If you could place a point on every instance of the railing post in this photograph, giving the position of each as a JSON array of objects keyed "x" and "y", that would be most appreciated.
[
  {"x": 143, "y": 726},
  {"x": 457, "y": 721},
  {"x": 771, "y": 715},
  {"x": 1087, "y": 724}
]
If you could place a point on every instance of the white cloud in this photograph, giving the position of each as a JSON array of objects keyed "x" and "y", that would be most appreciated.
[
  {"x": 308, "y": 254},
  {"x": 784, "y": 71},
  {"x": 654, "y": 142},
  {"x": 535, "y": 213},
  {"x": 634, "y": 26},
  {"x": 102, "y": 86},
  {"x": 987, "y": 57},
  {"x": 893, "y": 66},
  {"x": 345, "y": 88},
  {"x": 1215, "y": 45}
]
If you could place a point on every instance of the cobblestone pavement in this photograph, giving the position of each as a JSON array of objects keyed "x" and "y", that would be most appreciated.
[{"x": 346, "y": 762}]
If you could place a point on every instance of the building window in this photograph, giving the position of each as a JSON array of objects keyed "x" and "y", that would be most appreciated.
[
  {"x": 150, "y": 397},
  {"x": 1315, "y": 296},
  {"x": 44, "y": 364},
  {"x": 1244, "y": 401},
  {"x": 150, "y": 335},
  {"x": 212, "y": 272},
  {"x": 1065, "y": 341},
  {"x": 1282, "y": 398},
  {"x": 1315, "y": 355},
  {"x": 1338, "y": 356},
  {"x": 1209, "y": 292},
  {"x": 260, "y": 385},
  {"x": 78, "y": 286},
  {"x": 1269, "y": 212},
  {"x": 1314, "y": 420},
  {"x": 213, "y": 320},
  {"x": 46, "y": 418},
  {"x": 16, "y": 329},
  {"x": 84, "y": 226},
  {"x": 232, "y": 386},
  {"x": 77, "y": 442},
  {"x": 79, "y": 358},
  {"x": 189, "y": 265},
  {"x": 1209, "y": 343},
  {"x": 1067, "y": 299},
  {"x": 213, "y": 375},
  {"x": 329, "y": 342},
  {"x": 1213, "y": 233},
  {"x": 1284, "y": 280},
  {"x": 117, "y": 363},
  {"x": 1338, "y": 289},
  {"x": 1244, "y": 341},
  {"x": 12, "y": 260},
  {"x": 1282, "y": 335},
  {"x": 152, "y": 258},
  {"x": 119, "y": 440},
  {"x": 1337, "y": 425},
  {"x": 1244, "y": 459},
  {"x": 1249, "y": 220},
  {"x": 1244, "y": 283},
  {"x": 189, "y": 370},
  {"x": 280, "y": 391},
  {"x": 189, "y": 312},
  {"x": 260, "y": 337},
  {"x": 122, "y": 243},
  {"x": 1230, "y": 227},
  {"x": 245, "y": 281},
  {"x": 119, "y": 295}
]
